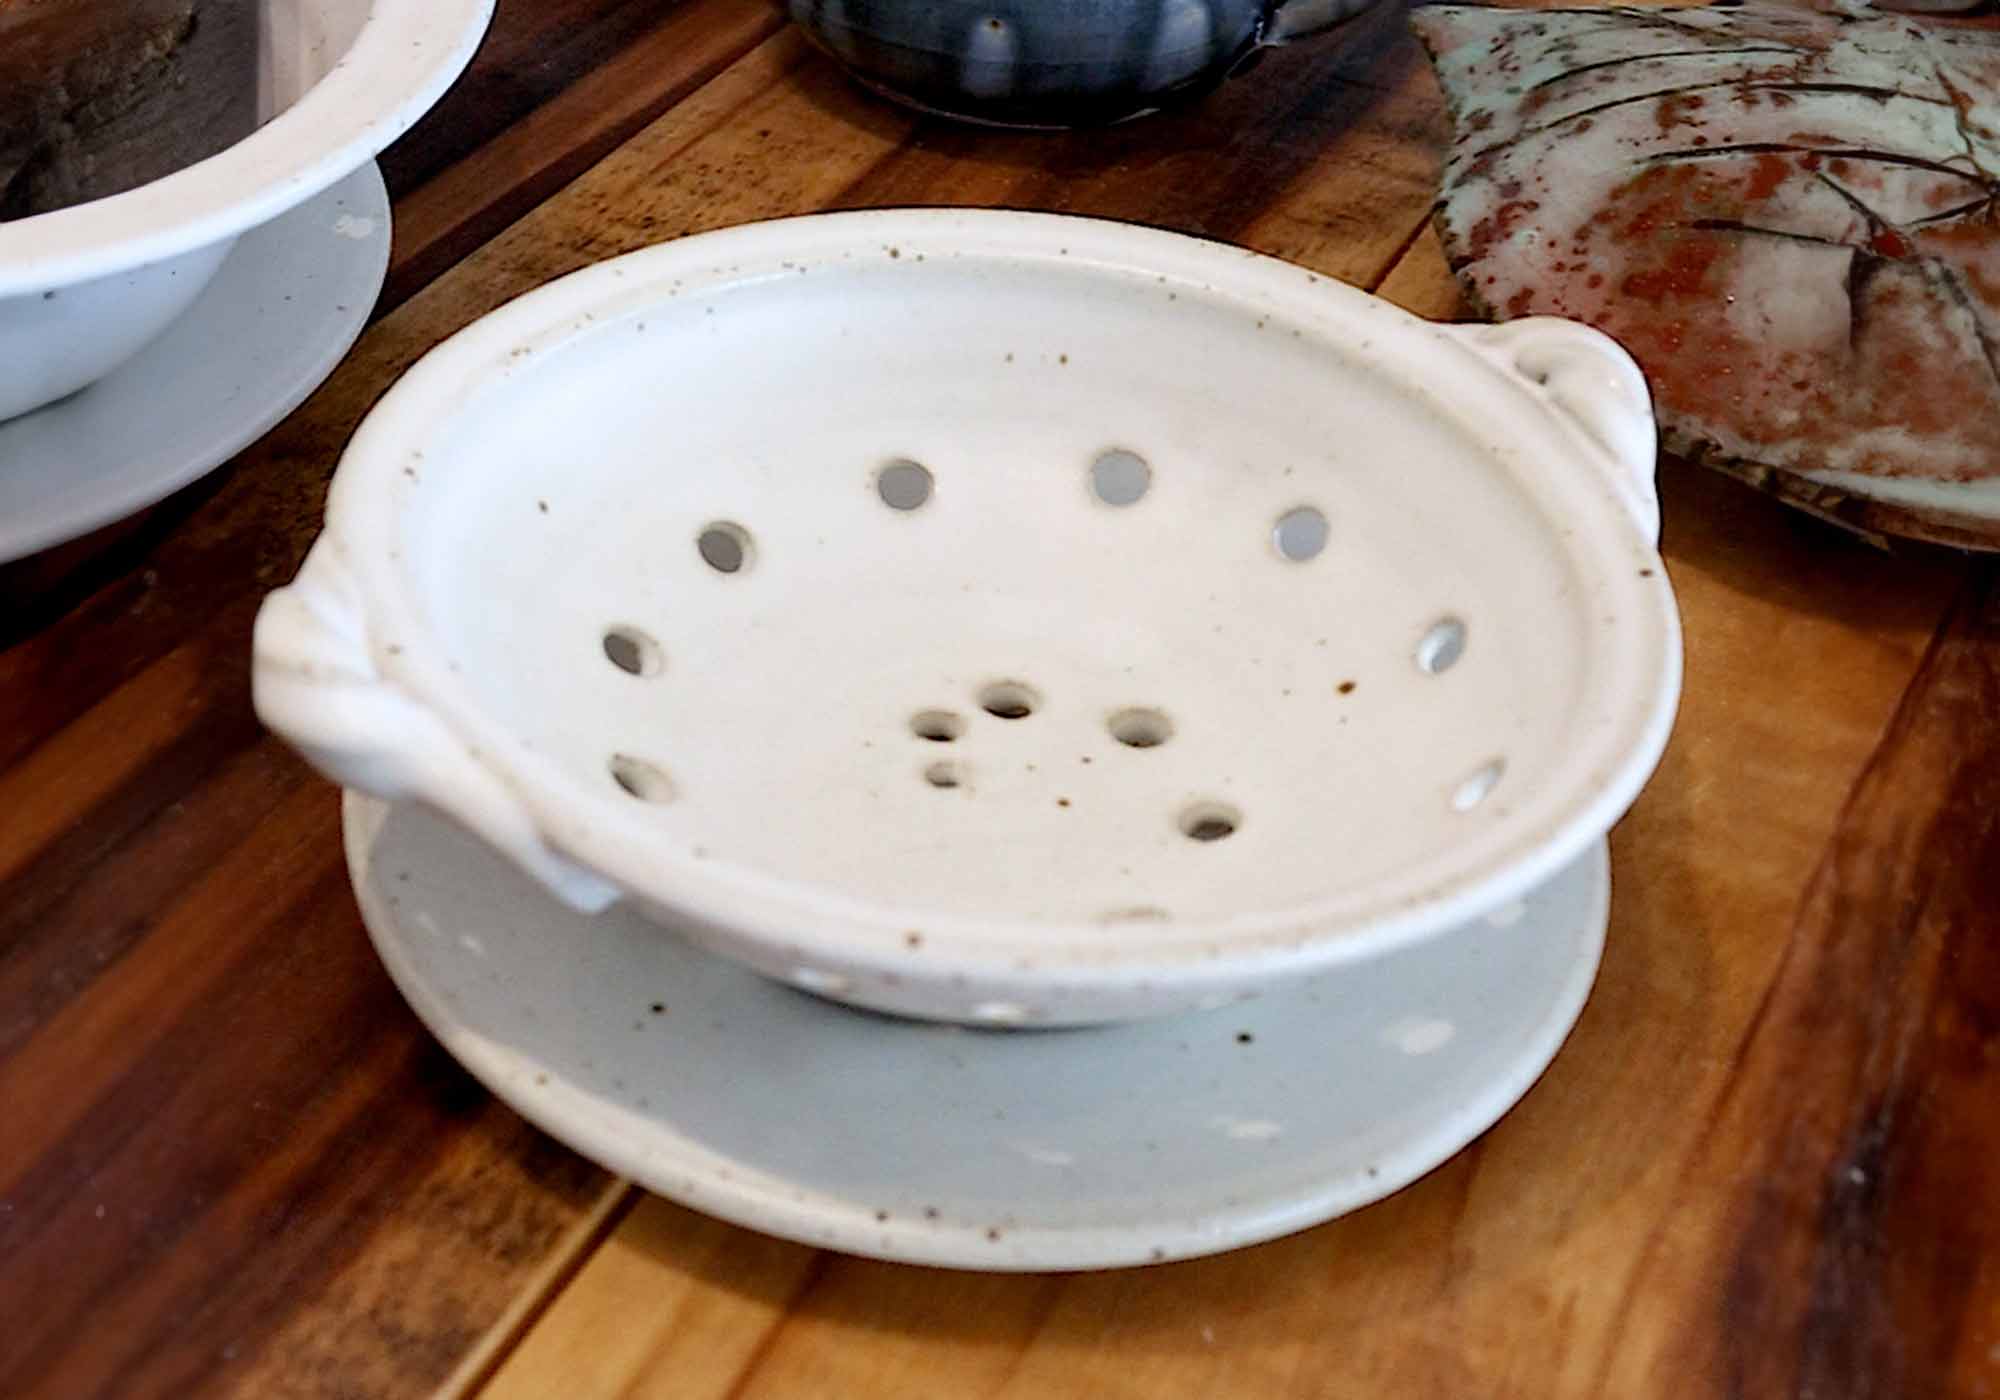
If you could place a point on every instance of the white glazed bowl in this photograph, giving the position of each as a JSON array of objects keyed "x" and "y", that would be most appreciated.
[
  {"x": 511, "y": 615},
  {"x": 83, "y": 289}
]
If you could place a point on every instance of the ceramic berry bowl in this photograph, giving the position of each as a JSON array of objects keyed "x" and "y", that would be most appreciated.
[
  {"x": 996, "y": 617},
  {"x": 83, "y": 289}
]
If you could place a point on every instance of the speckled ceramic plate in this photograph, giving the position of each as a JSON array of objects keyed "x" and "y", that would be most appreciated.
[
  {"x": 984, "y": 1149},
  {"x": 285, "y": 307}
]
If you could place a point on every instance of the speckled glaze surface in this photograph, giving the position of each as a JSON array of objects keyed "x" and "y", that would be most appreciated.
[
  {"x": 1112, "y": 623},
  {"x": 1783, "y": 211},
  {"x": 1052, "y": 63},
  {"x": 945, "y": 1145},
  {"x": 83, "y": 289}
]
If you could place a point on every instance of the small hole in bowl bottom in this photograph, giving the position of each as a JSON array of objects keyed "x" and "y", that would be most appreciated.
[
  {"x": 632, "y": 651},
  {"x": 903, "y": 484},
  {"x": 1120, "y": 477},
  {"x": 1008, "y": 700},
  {"x": 1441, "y": 646},
  {"x": 943, "y": 775},
  {"x": 938, "y": 726},
  {"x": 646, "y": 781},
  {"x": 1300, "y": 534},
  {"x": 1141, "y": 728},
  {"x": 724, "y": 546},
  {"x": 1474, "y": 789},
  {"x": 1210, "y": 821}
]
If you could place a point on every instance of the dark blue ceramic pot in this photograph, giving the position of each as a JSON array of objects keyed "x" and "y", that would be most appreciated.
[{"x": 1052, "y": 63}]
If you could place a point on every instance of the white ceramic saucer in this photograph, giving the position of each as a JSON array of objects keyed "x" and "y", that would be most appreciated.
[
  {"x": 1053, "y": 1149},
  {"x": 285, "y": 307}
]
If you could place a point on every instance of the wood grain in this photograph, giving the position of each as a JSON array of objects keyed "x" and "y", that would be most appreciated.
[
  {"x": 234, "y": 1163},
  {"x": 1854, "y": 1227},
  {"x": 593, "y": 89},
  {"x": 715, "y": 1297}
]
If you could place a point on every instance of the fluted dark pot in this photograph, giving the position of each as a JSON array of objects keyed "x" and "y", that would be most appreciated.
[{"x": 1052, "y": 63}]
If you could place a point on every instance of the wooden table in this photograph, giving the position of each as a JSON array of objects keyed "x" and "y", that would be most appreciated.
[{"x": 231, "y": 1162}]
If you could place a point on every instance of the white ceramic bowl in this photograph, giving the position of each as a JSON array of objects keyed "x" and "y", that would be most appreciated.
[
  {"x": 618, "y": 578},
  {"x": 83, "y": 289}
]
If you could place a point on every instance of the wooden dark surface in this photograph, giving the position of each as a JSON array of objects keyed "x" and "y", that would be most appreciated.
[{"x": 232, "y": 1162}]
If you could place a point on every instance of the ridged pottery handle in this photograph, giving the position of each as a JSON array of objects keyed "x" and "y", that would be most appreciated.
[
  {"x": 1287, "y": 20},
  {"x": 317, "y": 686},
  {"x": 1594, "y": 385}
]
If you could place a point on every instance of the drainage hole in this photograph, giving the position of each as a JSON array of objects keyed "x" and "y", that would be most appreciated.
[
  {"x": 938, "y": 726},
  {"x": 1120, "y": 477},
  {"x": 632, "y": 651},
  {"x": 1442, "y": 646},
  {"x": 1300, "y": 533},
  {"x": 1008, "y": 700},
  {"x": 1141, "y": 728},
  {"x": 943, "y": 775},
  {"x": 724, "y": 546},
  {"x": 1474, "y": 789},
  {"x": 1210, "y": 821},
  {"x": 646, "y": 781},
  {"x": 903, "y": 484}
]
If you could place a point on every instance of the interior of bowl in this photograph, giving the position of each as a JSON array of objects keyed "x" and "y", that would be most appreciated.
[
  {"x": 98, "y": 97},
  {"x": 326, "y": 84},
  {"x": 299, "y": 42},
  {"x": 1031, "y": 591}
]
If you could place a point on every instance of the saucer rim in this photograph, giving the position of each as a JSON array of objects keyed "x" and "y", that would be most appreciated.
[{"x": 739, "y": 1193}]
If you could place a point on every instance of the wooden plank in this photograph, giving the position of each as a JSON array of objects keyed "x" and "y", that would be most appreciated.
[
  {"x": 1521, "y": 1268},
  {"x": 463, "y": 204},
  {"x": 239, "y": 1117},
  {"x": 533, "y": 55},
  {"x": 714, "y": 1294},
  {"x": 55, "y": 786},
  {"x": 1850, "y": 1226},
  {"x": 533, "y": 1294},
  {"x": 1325, "y": 155},
  {"x": 1421, "y": 281}
]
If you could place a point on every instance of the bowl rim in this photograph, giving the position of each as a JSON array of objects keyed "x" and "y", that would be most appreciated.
[
  {"x": 406, "y": 53},
  {"x": 785, "y": 924}
]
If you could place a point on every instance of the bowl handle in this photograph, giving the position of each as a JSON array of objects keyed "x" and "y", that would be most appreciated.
[
  {"x": 316, "y": 685},
  {"x": 1286, "y": 20},
  {"x": 1595, "y": 387}
]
